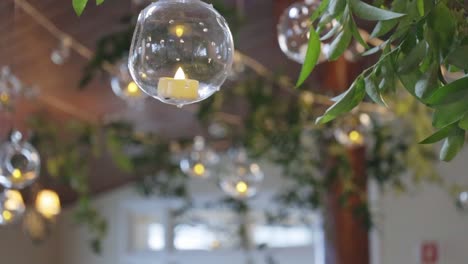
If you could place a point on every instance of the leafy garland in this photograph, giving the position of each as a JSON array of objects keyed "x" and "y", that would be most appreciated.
[{"x": 423, "y": 38}]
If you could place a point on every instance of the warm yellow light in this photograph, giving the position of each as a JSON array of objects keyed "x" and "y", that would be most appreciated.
[
  {"x": 179, "y": 31},
  {"x": 48, "y": 203},
  {"x": 7, "y": 215},
  {"x": 179, "y": 75},
  {"x": 355, "y": 137},
  {"x": 199, "y": 169},
  {"x": 14, "y": 200},
  {"x": 242, "y": 187},
  {"x": 132, "y": 88},
  {"x": 4, "y": 98},
  {"x": 16, "y": 174}
]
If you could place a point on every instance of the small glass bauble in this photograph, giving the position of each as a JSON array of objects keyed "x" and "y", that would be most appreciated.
[
  {"x": 11, "y": 206},
  {"x": 19, "y": 163},
  {"x": 352, "y": 131},
  {"x": 10, "y": 88},
  {"x": 462, "y": 200},
  {"x": 200, "y": 161},
  {"x": 182, "y": 51},
  {"x": 125, "y": 88},
  {"x": 293, "y": 30},
  {"x": 240, "y": 178}
]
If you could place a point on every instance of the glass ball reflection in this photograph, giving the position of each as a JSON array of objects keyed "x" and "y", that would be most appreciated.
[
  {"x": 462, "y": 200},
  {"x": 19, "y": 163},
  {"x": 351, "y": 131},
  {"x": 182, "y": 51},
  {"x": 240, "y": 178},
  {"x": 200, "y": 161},
  {"x": 11, "y": 207},
  {"x": 125, "y": 88},
  {"x": 293, "y": 30}
]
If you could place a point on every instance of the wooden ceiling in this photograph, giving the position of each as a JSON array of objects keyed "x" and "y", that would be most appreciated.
[{"x": 26, "y": 47}]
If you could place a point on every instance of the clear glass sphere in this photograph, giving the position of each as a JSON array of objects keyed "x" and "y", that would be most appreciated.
[
  {"x": 462, "y": 200},
  {"x": 240, "y": 178},
  {"x": 19, "y": 163},
  {"x": 182, "y": 51},
  {"x": 125, "y": 88},
  {"x": 11, "y": 206},
  {"x": 293, "y": 30},
  {"x": 200, "y": 161},
  {"x": 352, "y": 131},
  {"x": 10, "y": 88}
]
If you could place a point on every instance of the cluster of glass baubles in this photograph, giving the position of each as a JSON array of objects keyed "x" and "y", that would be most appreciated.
[
  {"x": 238, "y": 177},
  {"x": 200, "y": 162},
  {"x": 19, "y": 163},
  {"x": 182, "y": 51},
  {"x": 125, "y": 88}
]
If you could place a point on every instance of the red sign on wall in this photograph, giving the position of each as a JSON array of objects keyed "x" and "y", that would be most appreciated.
[{"x": 429, "y": 252}]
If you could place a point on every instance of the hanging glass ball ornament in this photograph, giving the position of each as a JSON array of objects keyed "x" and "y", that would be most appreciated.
[
  {"x": 60, "y": 55},
  {"x": 10, "y": 88},
  {"x": 125, "y": 88},
  {"x": 182, "y": 51},
  {"x": 293, "y": 30},
  {"x": 352, "y": 131},
  {"x": 200, "y": 161},
  {"x": 19, "y": 163},
  {"x": 240, "y": 178},
  {"x": 11, "y": 206},
  {"x": 462, "y": 200}
]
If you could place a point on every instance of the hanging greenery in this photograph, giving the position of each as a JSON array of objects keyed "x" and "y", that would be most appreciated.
[{"x": 423, "y": 39}]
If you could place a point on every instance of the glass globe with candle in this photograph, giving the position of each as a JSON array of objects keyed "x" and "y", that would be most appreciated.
[
  {"x": 240, "y": 178},
  {"x": 11, "y": 206},
  {"x": 200, "y": 161},
  {"x": 125, "y": 88},
  {"x": 293, "y": 31},
  {"x": 352, "y": 131},
  {"x": 48, "y": 203},
  {"x": 182, "y": 51},
  {"x": 19, "y": 163}
]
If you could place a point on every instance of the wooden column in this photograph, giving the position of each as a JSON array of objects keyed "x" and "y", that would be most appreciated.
[{"x": 347, "y": 240}]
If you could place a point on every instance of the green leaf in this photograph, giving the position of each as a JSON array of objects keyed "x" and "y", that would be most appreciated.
[
  {"x": 372, "y": 51},
  {"x": 420, "y": 5},
  {"x": 459, "y": 57},
  {"x": 450, "y": 93},
  {"x": 453, "y": 144},
  {"x": 79, "y": 6},
  {"x": 99, "y": 2},
  {"x": 351, "y": 98},
  {"x": 439, "y": 135},
  {"x": 312, "y": 56},
  {"x": 340, "y": 43},
  {"x": 464, "y": 122},
  {"x": 449, "y": 113},
  {"x": 369, "y": 12},
  {"x": 443, "y": 27},
  {"x": 428, "y": 82},
  {"x": 336, "y": 7},
  {"x": 383, "y": 27},
  {"x": 319, "y": 11},
  {"x": 413, "y": 58},
  {"x": 373, "y": 91},
  {"x": 357, "y": 36}
]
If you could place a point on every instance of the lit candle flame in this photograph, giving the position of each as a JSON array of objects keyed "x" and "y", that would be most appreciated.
[
  {"x": 242, "y": 187},
  {"x": 132, "y": 88},
  {"x": 179, "y": 30},
  {"x": 179, "y": 75}
]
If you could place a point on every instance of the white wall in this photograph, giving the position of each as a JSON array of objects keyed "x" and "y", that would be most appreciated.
[
  {"x": 16, "y": 248},
  {"x": 428, "y": 213}
]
